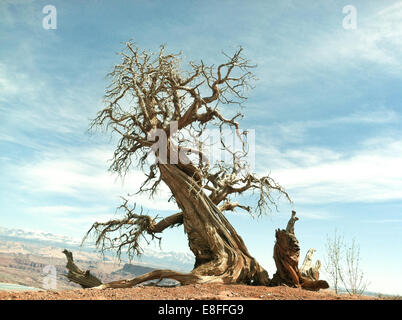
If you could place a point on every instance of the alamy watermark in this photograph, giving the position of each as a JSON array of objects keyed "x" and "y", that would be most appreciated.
[
  {"x": 350, "y": 20},
  {"x": 50, "y": 278},
  {"x": 210, "y": 146},
  {"x": 49, "y": 22}
]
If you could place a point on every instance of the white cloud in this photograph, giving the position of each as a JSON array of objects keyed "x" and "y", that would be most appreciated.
[
  {"x": 30, "y": 99},
  {"x": 331, "y": 49},
  {"x": 72, "y": 222},
  {"x": 372, "y": 173},
  {"x": 377, "y": 38},
  {"x": 294, "y": 158},
  {"x": 6, "y": 86},
  {"x": 315, "y": 215},
  {"x": 58, "y": 210},
  {"x": 82, "y": 174},
  {"x": 381, "y": 115},
  {"x": 392, "y": 221},
  {"x": 295, "y": 131}
]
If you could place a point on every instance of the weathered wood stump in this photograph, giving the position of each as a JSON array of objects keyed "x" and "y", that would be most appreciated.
[{"x": 286, "y": 256}]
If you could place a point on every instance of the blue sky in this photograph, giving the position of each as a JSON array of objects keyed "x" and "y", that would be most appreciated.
[{"x": 326, "y": 111}]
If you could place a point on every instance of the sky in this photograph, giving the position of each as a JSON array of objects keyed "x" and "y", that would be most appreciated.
[{"x": 326, "y": 111}]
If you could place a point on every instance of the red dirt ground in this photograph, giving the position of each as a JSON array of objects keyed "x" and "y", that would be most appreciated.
[{"x": 189, "y": 292}]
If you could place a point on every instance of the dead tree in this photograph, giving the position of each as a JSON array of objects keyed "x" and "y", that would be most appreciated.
[
  {"x": 343, "y": 265},
  {"x": 333, "y": 261},
  {"x": 286, "y": 256},
  {"x": 153, "y": 101}
]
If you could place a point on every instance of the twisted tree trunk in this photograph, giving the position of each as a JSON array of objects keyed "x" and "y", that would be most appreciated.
[{"x": 220, "y": 253}]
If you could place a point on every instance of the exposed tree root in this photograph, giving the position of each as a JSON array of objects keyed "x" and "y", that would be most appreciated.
[
  {"x": 314, "y": 285},
  {"x": 183, "y": 278},
  {"x": 86, "y": 280}
]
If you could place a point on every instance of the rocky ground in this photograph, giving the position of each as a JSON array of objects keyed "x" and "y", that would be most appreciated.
[{"x": 190, "y": 292}]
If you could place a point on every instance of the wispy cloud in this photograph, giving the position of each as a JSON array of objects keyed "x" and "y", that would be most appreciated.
[
  {"x": 315, "y": 215},
  {"x": 295, "y": 131},
  {"x": 7, "y": 86},
  {"x": 327, "y": 48},
  {"x": 82, "y": 175},
  {"x": 58, "y": 210},
  {"x": 392, "y": 221},
  {"x": 29, "y": 106},
  {"x": 371, "y": 173}
]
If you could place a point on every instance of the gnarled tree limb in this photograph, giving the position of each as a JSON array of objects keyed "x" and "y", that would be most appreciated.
[
  {"x": 84, "y": 278},
  {"x": 87, "y": 280}
]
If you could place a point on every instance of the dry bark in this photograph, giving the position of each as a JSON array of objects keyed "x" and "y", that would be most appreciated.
[
  {"x": 307, "y": 270},
  {"x": 87, "y": 280},
  {"x": 218, "y": 249},
  {"x": 286, "y": 256},
  {"x": 84, "y": 278}
]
